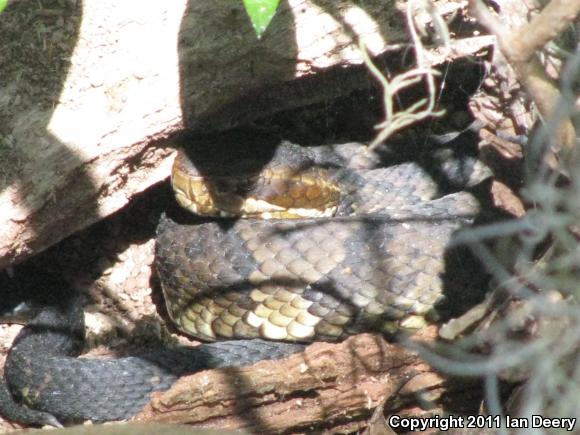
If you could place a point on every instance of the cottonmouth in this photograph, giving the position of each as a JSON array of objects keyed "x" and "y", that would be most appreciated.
[{"x": 379, "y": 263}]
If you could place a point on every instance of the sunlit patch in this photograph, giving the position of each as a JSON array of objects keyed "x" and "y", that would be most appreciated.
[
  {"x": 273, "y": 332},
  {"x": 413, "y": 322},
  {"x": 300, "y": 331},
  {"x": 307, "y": 319},
  {"x": 257, "y": 206},
  {"x": 253, "y": 320},
  {"x": 278, "y": 319},
  {"x": 312, "y": 212}
]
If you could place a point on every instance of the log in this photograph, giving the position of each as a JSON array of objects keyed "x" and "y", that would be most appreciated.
[
  {"x": 332, "y": 387},
  {"x": 92, "y": 97}
]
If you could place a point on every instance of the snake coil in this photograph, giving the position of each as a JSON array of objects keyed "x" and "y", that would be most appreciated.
[{"x": 379, "y": 263}]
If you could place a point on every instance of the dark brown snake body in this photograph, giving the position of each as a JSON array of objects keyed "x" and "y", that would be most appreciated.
[
  {"x": 378, "y": 263},
  {"x": 381, "y": 263}
]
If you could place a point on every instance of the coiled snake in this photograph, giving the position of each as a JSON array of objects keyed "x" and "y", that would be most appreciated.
[{"x": 327, "y": 246}]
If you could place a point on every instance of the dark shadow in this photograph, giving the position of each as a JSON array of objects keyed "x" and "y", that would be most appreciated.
[
  {"x": 203, "y": 77},
  {"x": 265, "y": 68},
  {"x": 21, "y": 291}
]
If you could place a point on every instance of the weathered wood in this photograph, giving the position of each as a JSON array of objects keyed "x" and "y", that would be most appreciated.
[
  {"x": 328, "y": 386},
  {"x": 89, "y": 95}
]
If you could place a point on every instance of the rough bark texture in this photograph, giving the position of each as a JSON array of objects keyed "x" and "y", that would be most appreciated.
[
  {"x": 91, "y": 94},
  {"x": 332, "y": 387}
]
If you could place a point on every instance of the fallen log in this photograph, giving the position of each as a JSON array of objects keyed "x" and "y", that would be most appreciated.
[
  {"x": 91, "y": 97},
  {"x": 331, "y": 387}
]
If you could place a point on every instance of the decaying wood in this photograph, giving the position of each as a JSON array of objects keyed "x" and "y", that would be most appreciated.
[
  {"x": 89, "y": 95},
  {"x": 329, "y": 386}
]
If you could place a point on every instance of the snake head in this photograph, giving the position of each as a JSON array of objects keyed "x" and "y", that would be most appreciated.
[{"x": 287, "y": 185}]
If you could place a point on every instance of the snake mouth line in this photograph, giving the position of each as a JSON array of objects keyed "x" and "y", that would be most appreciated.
[
  {"x": 247, "y": 208},
  {"x": 280, "y": 190}
]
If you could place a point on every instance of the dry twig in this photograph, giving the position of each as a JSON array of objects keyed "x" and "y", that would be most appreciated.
[{"x": 425, "y": 107}]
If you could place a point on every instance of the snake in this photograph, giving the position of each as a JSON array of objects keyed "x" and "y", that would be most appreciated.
[{"x": 271, "y": 244}]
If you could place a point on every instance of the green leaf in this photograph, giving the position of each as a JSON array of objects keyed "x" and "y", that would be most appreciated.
[
  {"x": 261, "y": 13},
  {"x": 3, "y": 4}
]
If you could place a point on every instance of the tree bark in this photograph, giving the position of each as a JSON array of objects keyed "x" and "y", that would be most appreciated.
[
  {"x": 332, "y": 387},
  {"x": 91, "y": 99}
]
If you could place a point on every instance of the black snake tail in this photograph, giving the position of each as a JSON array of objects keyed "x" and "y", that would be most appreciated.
[{"x": 55, "y": 386}]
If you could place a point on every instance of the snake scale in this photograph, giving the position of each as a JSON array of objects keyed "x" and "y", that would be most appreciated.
[{"x": 330, "y": 244}]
